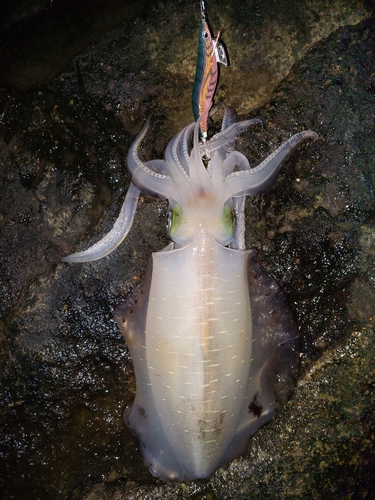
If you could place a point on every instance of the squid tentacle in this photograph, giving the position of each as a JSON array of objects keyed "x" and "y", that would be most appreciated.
[
  {"x": 117, "y": 234},
  {"x": 230, "y": 117},
  {"x": 238, "y": 241},
  {"x": 158, "y": 166},
  {"x": 261, "y": 178},
  {"x": 236, "y": 158},
  {"x": 147, "y": 180},
  {"x": 183, "y": 146},
  {"x": 226, "y": 136},
  {"x": 172, "y": 157}
]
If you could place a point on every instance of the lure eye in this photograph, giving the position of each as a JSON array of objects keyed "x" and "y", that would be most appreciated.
[{"x": 205, "y": 35}]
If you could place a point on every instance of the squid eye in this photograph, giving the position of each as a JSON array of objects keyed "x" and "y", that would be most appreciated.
[
  {"x": 229, "y": 220},
  {"x": 205, "y": 35},
  {"x": 174, "y": 219}
]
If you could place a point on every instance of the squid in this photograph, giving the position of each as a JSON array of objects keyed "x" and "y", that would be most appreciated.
[{"x": 213, "y": 341}]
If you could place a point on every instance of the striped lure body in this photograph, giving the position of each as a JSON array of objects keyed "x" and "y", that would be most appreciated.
[{"x": 210, "y": 53}]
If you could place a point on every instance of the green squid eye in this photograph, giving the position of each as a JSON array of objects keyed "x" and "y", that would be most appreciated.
[
  {"x": 228, "y": 220},
  {"x": 174, "y": 219}
]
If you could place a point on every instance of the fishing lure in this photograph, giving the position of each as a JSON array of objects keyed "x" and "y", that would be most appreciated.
[
  {"x": 213, "y": 341},
  {"x": 210, "y": 53}
]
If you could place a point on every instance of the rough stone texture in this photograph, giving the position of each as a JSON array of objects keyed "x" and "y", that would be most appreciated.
[
  {"x": 39, "y": 38},
  {"x": 66, "y": 371}
]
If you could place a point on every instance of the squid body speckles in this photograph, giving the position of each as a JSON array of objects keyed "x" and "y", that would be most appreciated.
[{"x": 213, "y": 342}]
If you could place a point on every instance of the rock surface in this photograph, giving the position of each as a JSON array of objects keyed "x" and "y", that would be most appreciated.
[{"x": 66, "y": 372}]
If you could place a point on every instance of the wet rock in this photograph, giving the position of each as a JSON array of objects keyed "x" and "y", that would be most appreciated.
[{"x": 39, "y": 38}]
